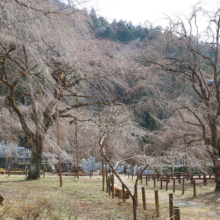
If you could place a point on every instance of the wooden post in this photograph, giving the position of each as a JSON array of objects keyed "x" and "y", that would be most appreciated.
[
  {"x": 107, "y": 185},
  {"x": 90, "y": 174},
  {"x": 204, "y": 180},
  {"x": 176, "y": 213},
  {"x": 106, "y": 174},
  {"x": 143, "y": 198},
  {"x": 141, "y": 178},
  {"x": 25, "y": 171},
  {"x": 154, "y": 182},
  {"x": 171, "y": 205},
  {"x": 161, "y": 184},
  {"x": 191, "y": 179},
  {"x": 113, "y": 191},
  {"x": 103, "y": 182},
  {"x": 166, "y": 184},
  {"x": 183, "y": 185},
  {"x": 8, "y": 171},
  {"x": 58, "y": 138},
  {"x": 194, "y": 188},
  {"x": 174, "y": 187},
  {"x": 146, "y": 180},
  {"x": 132, "y": 175},
  {"x": 123, "y": 192},
  {"x": 157, "y": 203}
]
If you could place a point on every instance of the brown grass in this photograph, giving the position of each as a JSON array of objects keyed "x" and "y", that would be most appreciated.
[{"x": 43, "y": 199}]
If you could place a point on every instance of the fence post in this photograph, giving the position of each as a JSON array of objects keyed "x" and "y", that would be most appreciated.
[
  {"x": 154, "y": 182},
  {"x": 107, "y": 185},
  {"x": 123, "y": 192},
  {"x": 157, "y": 203},
  {"x": 183, "y": 185},
  {"x": 191, "y": 179},
  {"x": 174, "y": 188},
  {"x": 113, "y": 191},
  {"x": 194, "y": 188},
  {"x": 171, "y": 205},
  {"x": 146, "y": 180},
  {"x": 161, "y": 183},
  {"x": 166, "y": 184},
  {"x": 8, "y": 171},
  {"x": 103, "y": 182},
  {"x": 25, "y": 171},
  {"x": 204, "y": 180},
  {"x": 143, "y": 198},
  {"x": 141, "y": 178},
  {"x": 158, "y": 177},
  {"x": 176, "y": 213}
]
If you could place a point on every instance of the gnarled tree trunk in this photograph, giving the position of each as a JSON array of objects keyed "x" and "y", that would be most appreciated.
[{"x": 36, "y": 156}]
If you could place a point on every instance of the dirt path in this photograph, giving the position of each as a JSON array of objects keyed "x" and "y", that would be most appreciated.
[{"x": 189, "y": 210}]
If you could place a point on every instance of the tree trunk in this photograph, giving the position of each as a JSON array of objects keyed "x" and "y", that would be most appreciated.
[
  {"x": 217, "y": 175},
  {"x": 215, "y": 151},
  {"x": 36, "y": 157}
]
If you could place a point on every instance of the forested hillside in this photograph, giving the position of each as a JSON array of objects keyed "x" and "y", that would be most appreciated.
[{"x": 143, "y": 89}]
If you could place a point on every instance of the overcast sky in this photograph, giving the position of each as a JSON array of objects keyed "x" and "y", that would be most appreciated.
[{"x": 139, "y": 11}]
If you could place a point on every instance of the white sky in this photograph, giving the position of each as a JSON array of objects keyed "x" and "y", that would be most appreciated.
[{"x": 139, "y": 11}]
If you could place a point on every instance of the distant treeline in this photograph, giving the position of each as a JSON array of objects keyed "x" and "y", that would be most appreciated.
[{"x": 121, "y": 31}]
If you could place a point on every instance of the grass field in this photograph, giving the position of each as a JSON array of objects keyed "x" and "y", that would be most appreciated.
[
  {"x": 43, "y": 199},
  {"x": 83, "y": 199}
]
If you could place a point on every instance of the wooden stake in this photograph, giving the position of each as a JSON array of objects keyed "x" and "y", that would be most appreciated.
[
  {"x": 166, "y": 184},
  {"x": 123, "y": 192},
  {"x": 157, "y": 203},
  {"x": 103, "y": 182},
  {"x": 171, "y": 205},
  {"x": 143, "y": 198},
  {"x": 183, "y": 185},
  {"x": 154, "y": 182},
  {"x": 25, "y": 171},
  {"x": 107, "y": 185},
  {"x": 176, "y": 213},
  {"x": 174, "y": 185},
  {"x": 194, "y": 188},
  {"x": 58, "y": 138},
  {"x": 8, "y": 171},
  {"x": 113, "y": 191}
]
